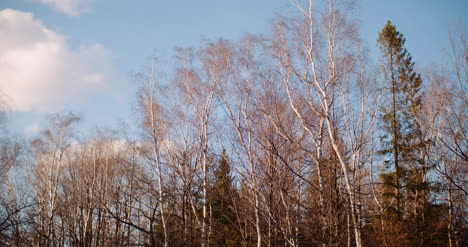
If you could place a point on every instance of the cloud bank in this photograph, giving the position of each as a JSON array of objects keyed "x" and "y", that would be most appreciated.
[
  {"x": 39, "y": 72},
  {"x": 69, "y": 7}
]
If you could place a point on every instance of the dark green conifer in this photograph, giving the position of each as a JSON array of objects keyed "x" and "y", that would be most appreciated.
[
  {"x": 402, "y": 138},
  {"x": 222, "y": 200}
]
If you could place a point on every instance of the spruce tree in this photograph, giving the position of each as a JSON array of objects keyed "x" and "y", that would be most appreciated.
[
  {"x": 402, "y": 137},
  {"x": 222, "y": 199}
]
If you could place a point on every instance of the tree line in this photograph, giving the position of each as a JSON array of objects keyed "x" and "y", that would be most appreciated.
[{"x": 291, "y": 139}]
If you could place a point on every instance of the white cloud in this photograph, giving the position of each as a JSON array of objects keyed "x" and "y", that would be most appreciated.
[
  {"x": 39, "y": 72},
  {"x": 69, "y": 7}
]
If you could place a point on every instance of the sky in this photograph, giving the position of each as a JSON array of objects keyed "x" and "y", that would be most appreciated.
[{"x": 81, "y": 55}]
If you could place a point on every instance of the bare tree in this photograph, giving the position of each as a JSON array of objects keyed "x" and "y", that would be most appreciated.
[
  {"x": 444, "y": 117},
  {"x": 197, "y": 87},
  {"x": 51, "y": 149},
  {"x": 238, "y": 75},
  {"x": 316, "y": 59},
  {"x": 153, "y": 122}
]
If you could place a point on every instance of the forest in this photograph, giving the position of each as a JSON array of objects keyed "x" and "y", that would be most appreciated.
[{"x": 295, "y": 138}]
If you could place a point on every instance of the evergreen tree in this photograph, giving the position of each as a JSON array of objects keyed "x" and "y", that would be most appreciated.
[
  {"x": 222, "y": 200},
  {"x": 414, "y": 218},
  {"x": 402, "y": 139}
]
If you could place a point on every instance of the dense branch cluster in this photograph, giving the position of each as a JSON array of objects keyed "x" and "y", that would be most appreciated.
[{"x": 286, "y": 140}]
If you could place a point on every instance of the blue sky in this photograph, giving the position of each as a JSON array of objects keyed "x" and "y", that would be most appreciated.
[{"x": 62, "y": 43}]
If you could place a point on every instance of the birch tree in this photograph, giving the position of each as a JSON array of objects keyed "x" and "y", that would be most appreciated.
[
  {"x": 197, "y": 86},
  {"x": 155, "y": 126},
  {"x": 51, "y": 150},
  {"x": 444, "y": 118},
  {"x": 315, "y": 55}
]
